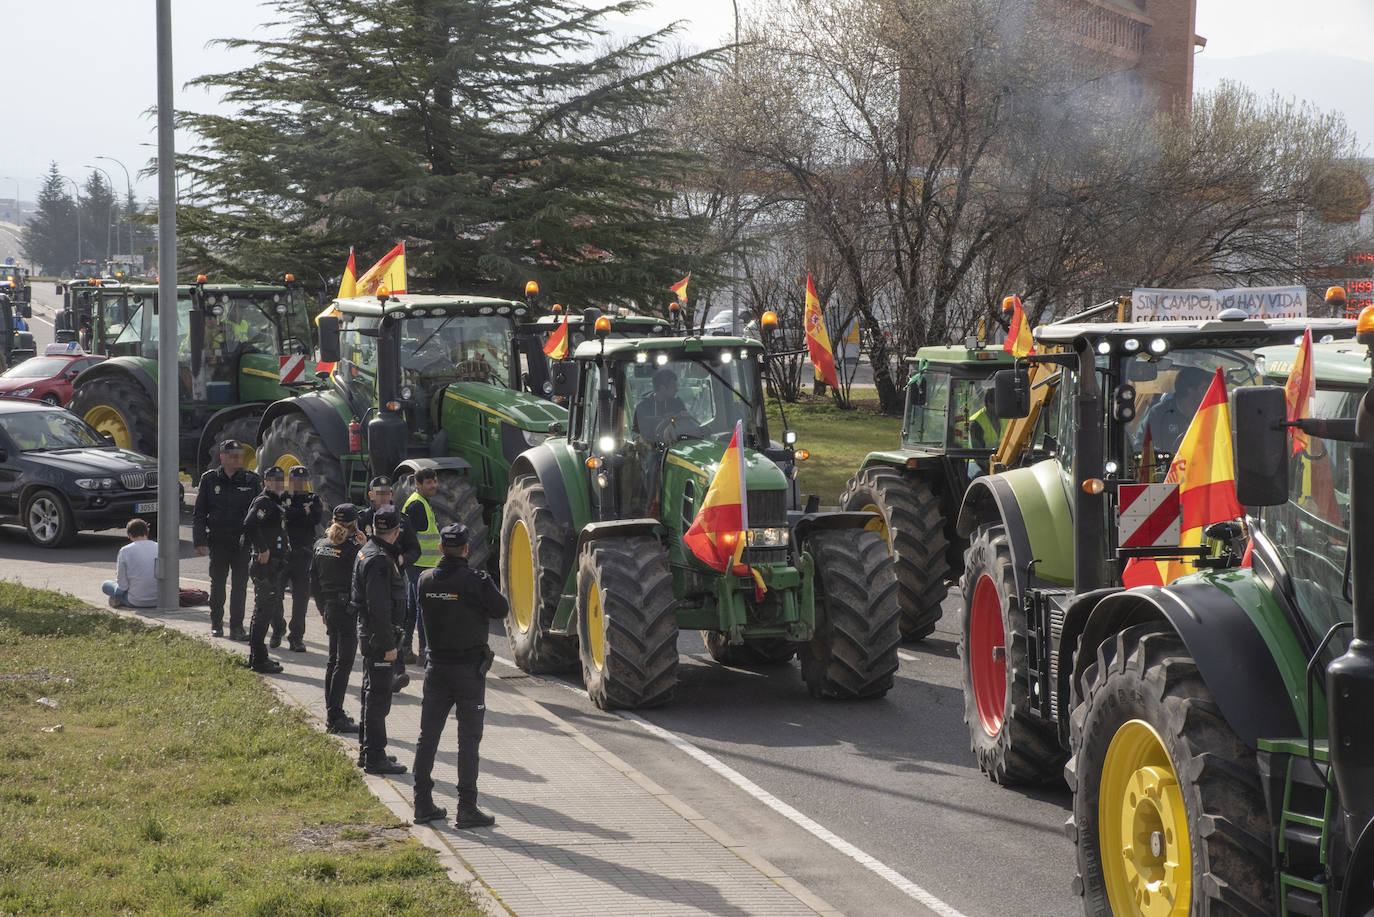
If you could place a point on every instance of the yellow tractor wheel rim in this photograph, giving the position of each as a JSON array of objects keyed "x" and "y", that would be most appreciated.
[
  {"x": 520, "y": 569},
  {"x": 596, "y": 628},
  {"x": 250, "y": 457},
  {"x": 1146, "y": 854},
  {"x": 286, "y": 461},
  {"x": 879, "y": 524},
  {"x": 109, "y": 422}
]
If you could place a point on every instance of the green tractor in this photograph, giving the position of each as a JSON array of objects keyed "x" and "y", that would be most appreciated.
[
  {"x": 593, "y": 558},
  {"x": 1222, "y": 759},
  {"x": 535, "y": 334},
  {"x": 233, "y": 338},
  {"x": 418, "y": 381},
  {"x": 15, "y": 346},
  {"x": 14, "y": 283},
  {"x": 948, "y": 437}
]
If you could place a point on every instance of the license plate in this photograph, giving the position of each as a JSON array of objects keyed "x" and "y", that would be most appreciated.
[{"x": 145, "y": 507}]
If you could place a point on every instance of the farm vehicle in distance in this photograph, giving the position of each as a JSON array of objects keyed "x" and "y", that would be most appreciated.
[{"x": 593, "y": 557}]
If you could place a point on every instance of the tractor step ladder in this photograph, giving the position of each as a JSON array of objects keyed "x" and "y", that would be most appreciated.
[{"x": 1300, "y": 803}]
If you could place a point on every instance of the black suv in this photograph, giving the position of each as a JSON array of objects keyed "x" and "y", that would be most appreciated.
[{"x": 59, "y": 476}]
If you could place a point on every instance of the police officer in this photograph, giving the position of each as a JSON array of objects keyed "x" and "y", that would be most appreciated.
[
  {"x": 378, "y": 594},
  {"x": 457, "y": 604},
  {"x": 221, "y": 505},
  {"x": 331, "y": 577},
  {"x": 379, "y": 494},
  {"x": 304, "y": 511},
  {"x": 264, "y": 530}
]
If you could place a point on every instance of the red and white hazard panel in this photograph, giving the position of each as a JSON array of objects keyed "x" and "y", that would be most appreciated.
[
  {"x": 1148, "y": 516},
  {"x": 292, "y": 369}
]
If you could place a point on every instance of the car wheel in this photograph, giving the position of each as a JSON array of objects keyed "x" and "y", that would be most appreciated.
[
  {"x": 51, "y": 399},
  {"x": 48, "y": 519}
]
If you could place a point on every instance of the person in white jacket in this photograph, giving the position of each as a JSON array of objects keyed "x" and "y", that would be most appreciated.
[{"x": 135, "y": 582}]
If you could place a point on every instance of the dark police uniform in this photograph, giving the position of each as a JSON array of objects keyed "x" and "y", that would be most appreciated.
[
  {"x": 264, "y": 530},
  {"x": 304, "y": 512},
  {"x": 221, "y": 505},
  {"x": 378, "y": 594},
  {"x": 331, "y": 579},
  {"x": 409, "y": 546},
  {"x": 457, "y": 603}
]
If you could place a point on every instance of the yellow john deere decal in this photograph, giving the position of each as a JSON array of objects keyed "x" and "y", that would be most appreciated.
[
  {"x": 683, "y": 463},
  {"x": 482, "y": 407},
  {"x": 275, "y": 377}
]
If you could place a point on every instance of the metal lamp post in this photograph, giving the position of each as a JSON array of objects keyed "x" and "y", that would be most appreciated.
[
  {"x": 109, "y": 214},
  {"x": 128, "y": 200},
  {"x": 168, "y": 496},
  {"x": 77, "y": 189}
]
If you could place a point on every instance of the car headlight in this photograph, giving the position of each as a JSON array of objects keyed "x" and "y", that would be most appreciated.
[
  {"x": 533, "y": 438},
  {"x": 95, "y": 483},
  {"x": 22, "y": 392},
  {"x": 767, "y": 538}
]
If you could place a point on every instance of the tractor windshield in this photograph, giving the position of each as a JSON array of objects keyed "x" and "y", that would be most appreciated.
[
  {"x": 247, "y": 322},
  {"x": 699, "y": 396},
  {"x": 956, "y": 410},
  {"x": 1311, "y": 532},
  {"x": 457, "y": 348}
]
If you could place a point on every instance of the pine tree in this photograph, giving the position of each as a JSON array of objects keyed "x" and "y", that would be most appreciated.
[
  {"x": 49, "y": 238},
  {"x": 493, "y": 137},
  {"x": 99, "y": 217}
]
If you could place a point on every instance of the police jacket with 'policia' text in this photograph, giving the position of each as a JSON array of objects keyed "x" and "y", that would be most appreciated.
[
  {"x": 457, "y": 602},
  {"x": 303, "y": 514},
  {"x": 264, "y": 526},
  {"x": 221, "y": 504},
  {"x": 378, "y": 595},
  {"x": 331, "y": 572}
]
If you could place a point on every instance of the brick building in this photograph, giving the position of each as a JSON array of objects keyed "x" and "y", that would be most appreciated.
[{"x": 1146, "y": 45}]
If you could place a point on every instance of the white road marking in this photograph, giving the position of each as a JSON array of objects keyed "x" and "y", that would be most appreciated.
[{"x": 902, "y": 883}]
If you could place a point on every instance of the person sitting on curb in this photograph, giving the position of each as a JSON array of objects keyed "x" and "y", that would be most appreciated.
[{"x": 135, "y": 582}]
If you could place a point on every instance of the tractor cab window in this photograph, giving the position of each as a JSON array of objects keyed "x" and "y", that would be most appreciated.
[
  {"x": 119, "y": 322},
  {"x": 696, "y": 396},
  {"x": 246, "y": 323},
  {"x": 927, "y": 406},
  {"x": 973, "y": 420},
  {"x": 1311, "y": 532},
  {"x": 356, "y": 370},
  {"x": 442, "y": 349},
  {"x": 296, "y": 323}
]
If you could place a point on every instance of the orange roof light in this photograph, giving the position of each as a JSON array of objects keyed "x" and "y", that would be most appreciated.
[
  {"x": 1008, "y": 303},
  {"x": 201, "y": 278},
  {"x": 603, "y": 326},
  {"x": 674, "y": 306},
  {"x": 532, "y": 288},
  {"x": 383, "y": 292},
  {"x": 1335, "y": 294},
  {"x": 769, "y": 319},
  {"x": 557, "y": 307},
  {"x": 290, "y": 278},
  {"x": 1365, "y": 325}
]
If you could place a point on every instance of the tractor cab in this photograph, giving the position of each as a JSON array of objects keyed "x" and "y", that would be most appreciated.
[
  {"x": 14, "y": 283},
  {"x": 537, "y": 336}
]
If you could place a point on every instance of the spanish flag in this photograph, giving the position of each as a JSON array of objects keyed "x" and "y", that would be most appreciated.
[
  {"x": 1316, "y": 486},
  {"x": 1019, "y": 342},
  {"x": 1298, "y": 390},
  {"x": 1205, "y": 471},
  {"x": 680, "y": 288},
  {"x": 348, "y": 287},
  {"x": 717, "y": 535},
  {"x": 557, "y": 346},
  {"x": 817, "y": 340},
  {"x": 390, "y": 271}
]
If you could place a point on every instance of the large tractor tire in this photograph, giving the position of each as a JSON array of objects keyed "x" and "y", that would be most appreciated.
[
  {"x": 854, "y": 651},
  {"x": 1013, "y": 745},
  {"x": 454, "y": 501},
  {"x": 914, "y": 527},
  {"x": 535, "y": 555},
  {"x": 118, "y": 407},
  {"x": 293, "y": 440},
  {"x": 626, "y": 622},
  {"x": 1168, "y": 809},
  {"x": 752, "y": 652},
  {"x": 243, "y": 429}
]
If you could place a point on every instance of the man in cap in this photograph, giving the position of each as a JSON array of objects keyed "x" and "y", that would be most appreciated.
[
  {"x": 420, "y": 514},
  {"x": 379, "y": 493},
  {"x": 1169, "y": 417},
  {"x": 303, "y": 515},
  {"x": 378, "y": 594},
  {"x": 221, "y": 504},
  {"x": 457, "y": 604},
  {"x": 331, "y": 578},
  {"x": 660, "y": 406},
  {"x": 264, "y": 530}
]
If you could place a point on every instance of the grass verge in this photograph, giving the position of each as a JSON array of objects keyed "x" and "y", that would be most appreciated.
[
  {"x": 838, "y": 441},
  {"x": 179, "y": 782}
]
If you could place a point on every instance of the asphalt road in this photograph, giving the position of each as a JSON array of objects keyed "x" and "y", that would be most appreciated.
[{"x": 894, "y": 778}]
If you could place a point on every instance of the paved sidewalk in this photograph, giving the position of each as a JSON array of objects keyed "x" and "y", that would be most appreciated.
[{"x": 578, "y": 831}]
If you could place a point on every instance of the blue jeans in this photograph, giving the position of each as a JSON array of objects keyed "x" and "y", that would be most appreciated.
[{"x": 110, "y": 587}]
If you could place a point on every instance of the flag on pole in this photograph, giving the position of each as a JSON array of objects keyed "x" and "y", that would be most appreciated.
[
  {"x": 557, "y": 346},
  {"x": 348, "y": 287},
  {"x": 680, "y": 288},
  {"x": 1205, "y": 471},
  {"x": 817, "y": 340},
  {"x": 717, "y": 535},
  {"x": 1298, "y": 390},
  {"x": 1316, "y": 486},
  {"x": 391, "y": 271},
  {"x": 1019, "y": 342}
]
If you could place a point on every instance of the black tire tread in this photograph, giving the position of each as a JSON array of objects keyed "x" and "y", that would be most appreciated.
[
  {"x": 1026, "y": 750},
  {"x": 854, "y": 652},
  {"x": 538, "y": 651},
  {"x": 920, "y": 549},
  {"x": 294, "y": 433},
  {"x": 126, "y": 396}
]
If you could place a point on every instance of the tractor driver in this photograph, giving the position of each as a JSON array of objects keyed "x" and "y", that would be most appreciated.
[
  {"x": 1168, "y": 419},
  {"x": 655, "y": 410}
]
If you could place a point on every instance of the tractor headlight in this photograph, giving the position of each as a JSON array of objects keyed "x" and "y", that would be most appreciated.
[
  {"x": 606, "y": 444},
  {"x": 407, "y": 393},
  {"x": 790, "y": 438},
  {"x": 532, "y": 438},
  {"x": 767, "y": 538}
]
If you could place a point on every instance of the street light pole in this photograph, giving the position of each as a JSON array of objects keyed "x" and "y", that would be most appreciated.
[
  {"x": 18, "y": 211},
  {"x": 168, "y": 453},
  {"x": 109, "y": 215},
  {"x": 128, "y": 200},
  {"x": 77, "y": 189}
]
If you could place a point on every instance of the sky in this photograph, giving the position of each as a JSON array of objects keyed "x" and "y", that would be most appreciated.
[{"x": 85, "y": 93}]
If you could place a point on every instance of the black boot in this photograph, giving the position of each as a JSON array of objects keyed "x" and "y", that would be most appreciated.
[
  {"x": 472, "y": 817},
  {"x": 427, "y": 811}
]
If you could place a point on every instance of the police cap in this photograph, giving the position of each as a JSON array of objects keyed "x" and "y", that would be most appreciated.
[
  {"x": 299, "y": 472},
  {"x": 454, "y": 535},
  {"x": 385, "y": 519},
  {"x": 345, "y": 513},
  {"x": 274, "y": 473},
  {"x": 230, "y": 445},
  {"x": 381, "y": 482}
]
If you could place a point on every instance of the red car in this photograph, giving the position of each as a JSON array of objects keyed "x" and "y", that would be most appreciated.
[{"x": 48, "y": 377}]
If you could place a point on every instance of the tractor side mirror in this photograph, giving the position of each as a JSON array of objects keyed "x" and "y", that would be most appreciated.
[
  {"x": 1011, "y": 393},
  {"x": 329, "y": 339},
  {"x": 1262, "y": 463},
  {"x": 557, "y": 429},
  {"x": 60, "y": 289},
  {"x": 563, "y": 377}
]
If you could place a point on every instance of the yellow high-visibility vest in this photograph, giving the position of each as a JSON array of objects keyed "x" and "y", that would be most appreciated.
[{"x": 430, "y": 552}]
